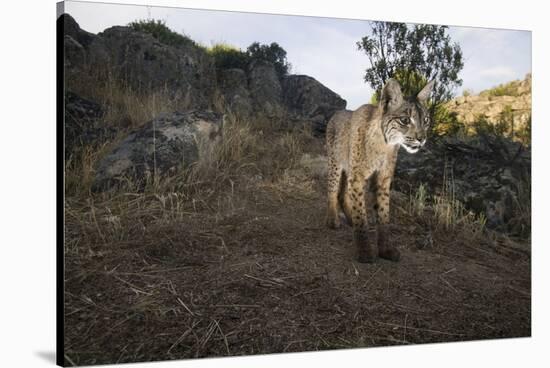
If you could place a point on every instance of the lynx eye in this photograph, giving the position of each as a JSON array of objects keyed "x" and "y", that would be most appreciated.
[{"x": 404, "y": 121}]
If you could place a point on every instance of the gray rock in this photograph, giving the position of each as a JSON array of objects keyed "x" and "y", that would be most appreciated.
[
  {"x": 162, "y": 146},
  {"x": 72, "y": 29},
  {"x": 233, "y": 84},
  {"x": 308, "y": 99},
  {"x": 485, "y": 174},
  {"x": 187, "y": 71},
  {"x": 266, "y": 90},
  {"x": 83, "y": 50},
  {"x": 74, "y": 54}
]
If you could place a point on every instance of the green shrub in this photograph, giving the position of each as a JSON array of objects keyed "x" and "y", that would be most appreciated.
[
  {"x": 446, "y": 122},
  {"x": 227, "y": 56},
  {"x": 482, "y": 126},
  {"x": 159, "y": 30},
  {"x": 507, "y": 89},
  {"x": 374, "y": 99}
]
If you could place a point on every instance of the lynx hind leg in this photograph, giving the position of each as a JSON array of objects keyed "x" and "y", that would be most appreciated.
[
  {"x": 333, "y": 208},
  {"x": 344, "y": 201},
  {"x": 386, "y": 249}
]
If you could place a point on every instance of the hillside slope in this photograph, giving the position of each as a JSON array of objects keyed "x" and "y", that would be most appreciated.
[{"x": 510, "y": 101}]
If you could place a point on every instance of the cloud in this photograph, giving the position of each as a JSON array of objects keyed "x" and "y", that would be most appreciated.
[{"x": 492, "y": 56}]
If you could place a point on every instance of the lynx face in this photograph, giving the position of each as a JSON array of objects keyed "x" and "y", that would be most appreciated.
[
  {"x": 407, "y": 126},
  {"x": 405, "y": 121}
]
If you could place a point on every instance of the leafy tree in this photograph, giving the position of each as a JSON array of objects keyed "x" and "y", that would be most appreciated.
[
  {"x": 272, "y": 53},
  {"x": 413, "y": 55}
]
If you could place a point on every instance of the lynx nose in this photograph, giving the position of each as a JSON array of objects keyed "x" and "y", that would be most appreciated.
[{"x": 420, "y": 138}]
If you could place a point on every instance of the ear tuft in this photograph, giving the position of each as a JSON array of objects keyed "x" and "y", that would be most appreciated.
[
  {"x": 391, "y": 96},
  {"x": 426, "y": 92}
]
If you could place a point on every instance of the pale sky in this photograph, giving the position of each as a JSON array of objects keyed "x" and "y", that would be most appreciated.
[{"x": 322, "y": 48}]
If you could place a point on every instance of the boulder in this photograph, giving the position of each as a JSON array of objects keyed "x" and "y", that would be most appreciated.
[
  {"x": 233, "y": 84},
  {"x": 162, "y": 146},
  {"x": 307, "y": 99},
  {"x": 186, "y": 70},
  {"x": 83, "y": 51},
  {"x": 74, "y": 54},
  {"x": 72, "y": 29},
  {"x": 487, "y": 175},
  {"x": 266, "y": 90}
]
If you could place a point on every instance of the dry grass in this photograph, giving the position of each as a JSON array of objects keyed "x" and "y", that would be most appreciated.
[
  {"x": 451, "y": 213},
  {"x": 124, "y": 106},
  {"x": 443, "y": 212}
]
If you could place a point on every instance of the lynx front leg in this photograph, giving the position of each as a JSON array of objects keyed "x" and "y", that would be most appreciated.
[
  {"x": 355, "y": 204},
  {"x": 386, "y": 249}
]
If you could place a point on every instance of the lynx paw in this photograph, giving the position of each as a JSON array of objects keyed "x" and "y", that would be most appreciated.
[
  {"x": 333, "y": 223},
  {"x": 391, "y": 254},
  {"x": 365, "y": 258},
  {"x": 367, "y": 255}
]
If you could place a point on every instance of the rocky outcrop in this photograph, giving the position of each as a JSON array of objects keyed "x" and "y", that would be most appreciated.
[
  {"x": 73, "y": 30},
  {"x": 75, "y": 54},
  {"x": 233, "y": 84},
  {"x": 306, "y": 98},
  {"x": 188, "y": 73},
  {"x": 141, "y": 61},
  {"x": 297, "y": 98},
  {"x": 145, "y": 63},
  {"x": 84, "y": 51},
  {"x": 162, "y": 146},
  {"x": 487, "y": 174},
  {"x": 513, "y": 99},
  {"x": 266, "y": 90}
]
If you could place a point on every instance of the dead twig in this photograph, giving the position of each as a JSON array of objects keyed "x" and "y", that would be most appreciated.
[
  {"x": 371, "y": 277},
  {"x": 186, "y": 307},
  {"x": 182, "y": 336},
  {"x": 420, "y": 329},
  {"x": 224, "y": 338}
]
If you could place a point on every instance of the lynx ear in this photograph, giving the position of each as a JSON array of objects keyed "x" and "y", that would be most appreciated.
[
  {"x": 426, "y": 92},
  {"x": 391, "y": 96}
]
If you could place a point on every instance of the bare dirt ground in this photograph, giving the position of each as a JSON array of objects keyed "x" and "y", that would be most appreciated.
[{"x": 253, "y": 270}]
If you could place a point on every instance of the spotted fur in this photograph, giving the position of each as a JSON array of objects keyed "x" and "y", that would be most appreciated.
[{"x": 362, "y": 147}]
